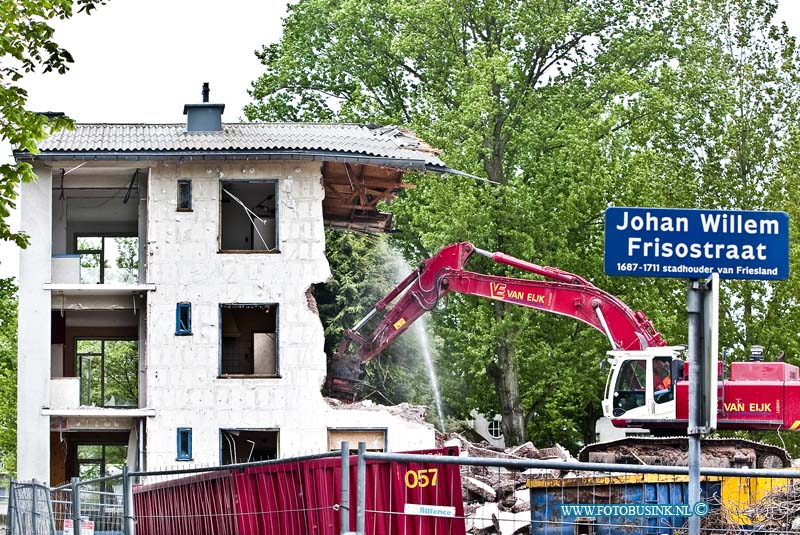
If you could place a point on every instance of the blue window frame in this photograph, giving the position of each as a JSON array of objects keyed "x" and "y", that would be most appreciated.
[
  {"x": 184, "y": 443},
  {"x": 183, "y": 319}
]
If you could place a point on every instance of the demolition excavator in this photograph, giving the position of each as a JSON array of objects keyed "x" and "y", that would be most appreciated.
[{"x": 647, "y": 386}]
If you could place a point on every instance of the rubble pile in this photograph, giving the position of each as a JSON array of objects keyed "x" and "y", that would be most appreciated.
[
  {"x": 496, "y": 500},
  {"x": 778, "y": 511},
  {"x": 719, "y": 521},
  {"x": 407, "y": 411}
]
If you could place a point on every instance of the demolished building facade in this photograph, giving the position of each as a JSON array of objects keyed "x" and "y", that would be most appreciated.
[{"x": 165, "y": 313}]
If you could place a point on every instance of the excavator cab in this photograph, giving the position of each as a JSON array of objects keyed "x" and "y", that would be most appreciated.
[{"x": 641, "y": 384}]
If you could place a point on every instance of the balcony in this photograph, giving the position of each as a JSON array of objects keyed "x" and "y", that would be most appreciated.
[
  {"x": 65, "y": 393},
  {"x": 102, "y": 266},
  {"x": 98, "y": 221},
  {"x": 95, "y": 360}
]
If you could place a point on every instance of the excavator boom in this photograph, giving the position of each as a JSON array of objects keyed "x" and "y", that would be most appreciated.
[{"x": 561, "y": 293}]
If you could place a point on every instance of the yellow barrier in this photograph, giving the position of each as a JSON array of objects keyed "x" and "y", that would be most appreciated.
[{"x": 739, "y": 493}]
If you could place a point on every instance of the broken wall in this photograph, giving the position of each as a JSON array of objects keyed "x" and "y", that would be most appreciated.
[{"x": 183, "y": 372}]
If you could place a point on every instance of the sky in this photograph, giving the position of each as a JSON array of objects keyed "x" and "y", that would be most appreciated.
[{"x": 140, "y": 61}]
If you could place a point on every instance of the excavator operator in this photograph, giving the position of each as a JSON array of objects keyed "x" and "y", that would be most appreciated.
[{"x": 661, "y": 379}]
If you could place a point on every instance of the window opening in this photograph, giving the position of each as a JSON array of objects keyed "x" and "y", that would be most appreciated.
[
  {"x": 183, "y": 319},
  {"x": 249, "y": 340},
  {"x": 248, "y": 445},
  {"x": 99, "y": 499},
  {"x": 108, "y": 371},
  {"x": 184, "y": 195},
  {"x": 184, "y": 444},
  {"x": 495, "y": 429},
  {"x": 108, "y": 259},
  {"x": 375, "y": 439},
  {"x": 248, "y": 212},
  {"x": 629, "y": 390},
  {"x": 662, "y": 380}
]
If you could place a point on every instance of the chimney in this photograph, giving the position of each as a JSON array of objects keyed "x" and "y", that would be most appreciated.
[{"x": 204, "y": 117}]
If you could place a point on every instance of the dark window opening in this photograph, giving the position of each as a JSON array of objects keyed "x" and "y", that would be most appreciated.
[
  {"x": 100, "y": 500},
  {"x": 184, "y": 444},
  {"x": 629, "y": 390},
  {"x": 375, "y": 439},
  {"x": 108, "y": 371},
  {"x": 663, "y": 387},
  {"x": 96, "y": 461},
  {"x": 184, "y": 195},
  {"x": 249, "y": 337},
  {"x": 108, "y": 259},
  {"x": 183, "y": 319},
  {"x": 248, "y": 445},
  {"x": 248, "y": 211}
]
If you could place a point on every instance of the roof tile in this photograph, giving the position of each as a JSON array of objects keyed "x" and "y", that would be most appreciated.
[{"x": 385, "y": 142}]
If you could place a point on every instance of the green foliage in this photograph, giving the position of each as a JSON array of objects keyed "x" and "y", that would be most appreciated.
[
  {"x": 8, "y": 375},
  {"x": 363, "y": 269},
  {"x": 127, "y": 260},
  {"x": 570, "y": 107},
  {"x": 27, "y": 45},
  {"x": 121, "y": 373}
]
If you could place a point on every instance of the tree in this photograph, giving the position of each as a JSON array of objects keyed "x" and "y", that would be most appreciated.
[
  {"x": 568, "y": 107},
  {"x": 508, "y": 89},
  {"x": 27, "y": 45},
  {"x": 725, "y": 136},
  {"x": 363, "y": 269},
  {"x": 8, "y": 375}
]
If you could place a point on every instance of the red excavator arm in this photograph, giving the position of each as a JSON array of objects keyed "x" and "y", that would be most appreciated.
[{"x": 564, "y": 293}]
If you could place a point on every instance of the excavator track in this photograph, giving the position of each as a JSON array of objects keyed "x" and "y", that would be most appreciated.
[{"x": 673, "y": 451}]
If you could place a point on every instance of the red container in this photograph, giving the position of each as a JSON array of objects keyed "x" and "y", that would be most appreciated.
[
  {"x": 302, "y": 498},
  {"x": 200, "y": 504}
]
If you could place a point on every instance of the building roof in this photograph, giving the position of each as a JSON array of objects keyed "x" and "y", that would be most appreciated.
[{"x": 390, "y": 146}]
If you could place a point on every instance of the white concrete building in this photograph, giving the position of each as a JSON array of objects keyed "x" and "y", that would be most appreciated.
[{"x": 165, "y": 312}]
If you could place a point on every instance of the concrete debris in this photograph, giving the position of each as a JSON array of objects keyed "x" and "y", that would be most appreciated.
[
  {"x": 524, "y": 450},
  {"x": 497, "y": 501},
  {"x": 541, "y": 473},
  {"x": 407, "y": 411},
  {"x": 481, "y": 490},
  {"x": 510, "y": 523},
  {"x": 521, "y": 506},
  {"x": 311, "y": 301},
  {"x": 481, "y": 518}
]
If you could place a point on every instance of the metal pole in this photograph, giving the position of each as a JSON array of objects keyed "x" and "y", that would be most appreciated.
[
  {"x": 344, "y": 506},
  {"x": 361, "y": 496},
  {"x": 12, "y": 509},
  {"x": 128, "y": 526},
  {"x": 76, "y": 505},
  {"x": 34, "y": 509},
  {"x": 50, "y": 515},
  {"x": 694, "y": 306}
]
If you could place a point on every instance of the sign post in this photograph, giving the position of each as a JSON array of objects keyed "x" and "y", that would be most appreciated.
[{"x": 710, "y": 372}]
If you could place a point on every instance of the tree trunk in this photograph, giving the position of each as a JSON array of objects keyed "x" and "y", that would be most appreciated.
[{"x": 504, "y": 374}]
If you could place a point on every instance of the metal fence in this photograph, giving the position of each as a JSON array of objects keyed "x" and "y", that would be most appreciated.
[
  {"x": 29, "y": 509},
  {"x": 509, "y": 496},
  {"x": 388, "y": 494}
]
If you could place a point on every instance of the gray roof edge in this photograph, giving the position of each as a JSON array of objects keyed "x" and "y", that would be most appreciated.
[{"x": 201, "y": 155}]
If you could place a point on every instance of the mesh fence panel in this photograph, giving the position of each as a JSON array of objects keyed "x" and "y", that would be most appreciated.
[
  {"x": 101, "y": 504},
  {"x": 30, "y": 509}
]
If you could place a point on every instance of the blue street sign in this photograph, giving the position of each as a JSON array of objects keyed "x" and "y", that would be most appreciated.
[{"x": 688, "y": 244}]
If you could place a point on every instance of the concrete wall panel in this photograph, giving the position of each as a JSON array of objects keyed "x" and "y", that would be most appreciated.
[
  {"x": 33, "y": 429},
  {"x": 183, "y": 262}
]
